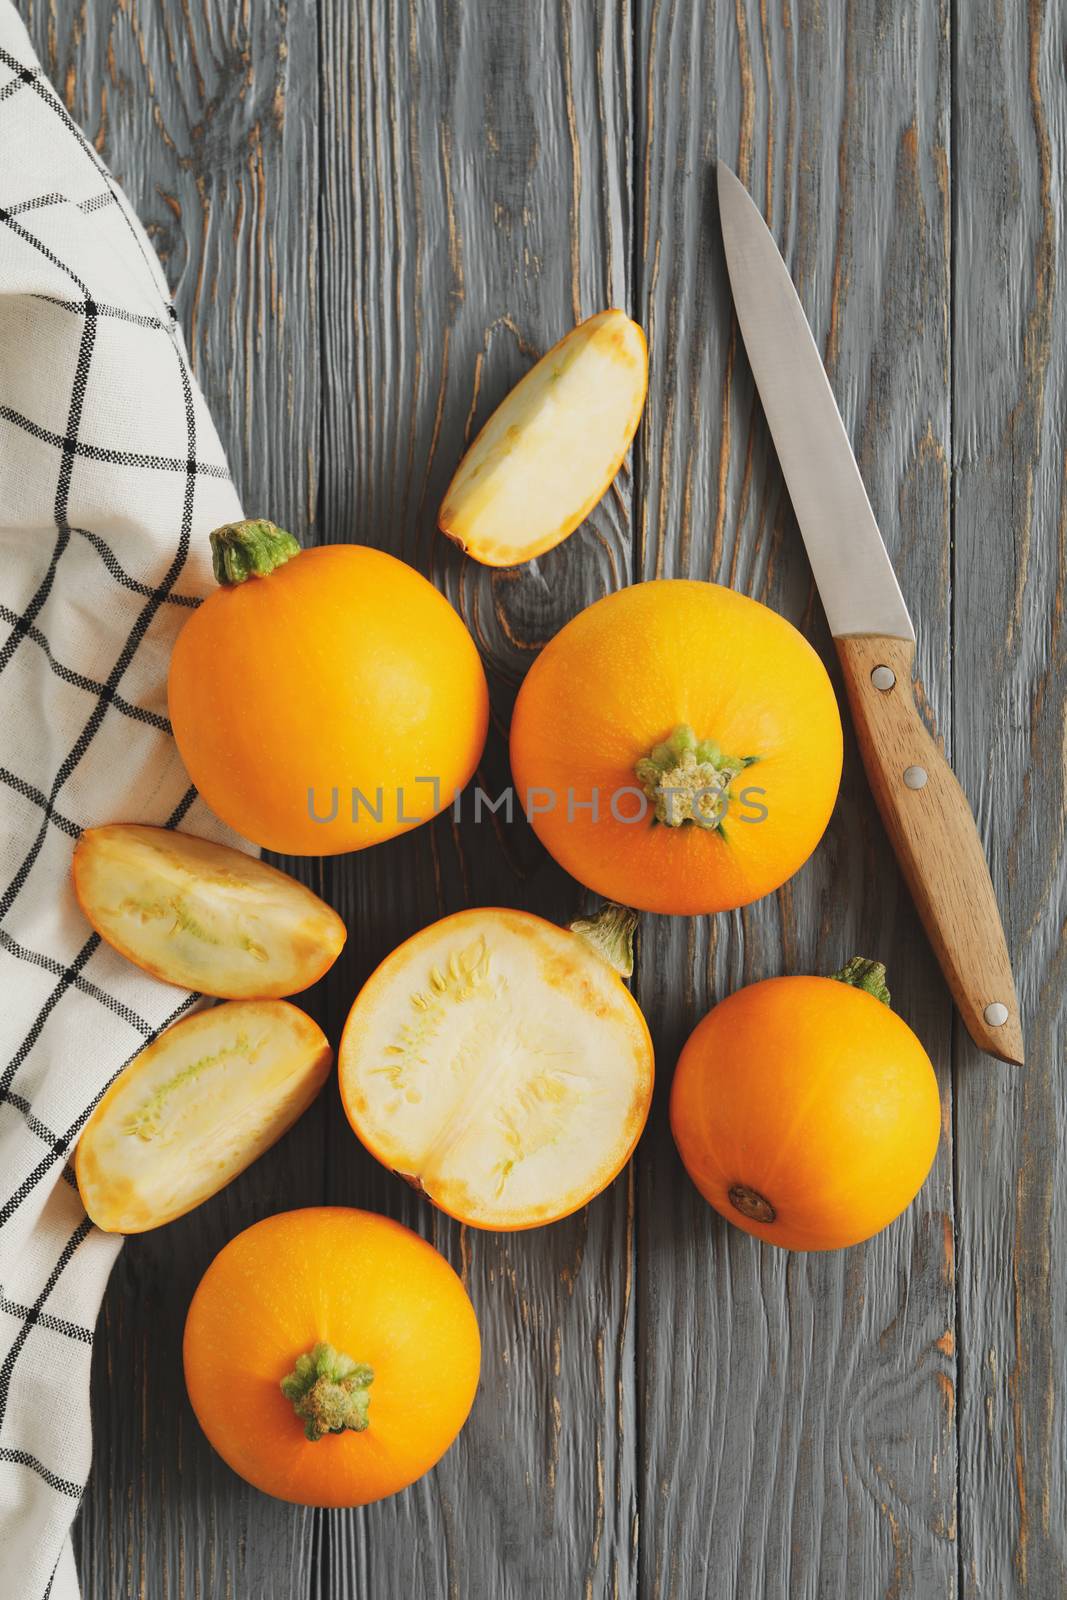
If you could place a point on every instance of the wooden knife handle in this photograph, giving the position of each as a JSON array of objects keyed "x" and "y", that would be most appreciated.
[{"x": 932, "y": 830}]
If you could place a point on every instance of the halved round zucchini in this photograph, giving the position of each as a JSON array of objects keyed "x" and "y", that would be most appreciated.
[
  {"x": 201, "y": 915},
  {"x": 195, "y": 1108},
  {"x": 500, "y": 1064}
]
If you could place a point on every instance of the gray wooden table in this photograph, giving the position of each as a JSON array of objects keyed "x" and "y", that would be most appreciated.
[{"x": 374, "y": 214}]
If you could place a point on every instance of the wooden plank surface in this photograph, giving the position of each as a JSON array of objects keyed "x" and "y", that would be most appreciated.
[
  {"x": 375, "y": 214},
  {"x": 476, "y": 201},
  {"x": 1009, "y": 681},
  {"x": 797, "y": 1426}
]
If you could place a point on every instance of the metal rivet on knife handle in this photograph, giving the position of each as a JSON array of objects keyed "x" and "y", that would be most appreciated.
[
  {"x": 915, "y": 777},
  {"x": 996, "y": 1013},
  {"x": 883, "y": 678}
]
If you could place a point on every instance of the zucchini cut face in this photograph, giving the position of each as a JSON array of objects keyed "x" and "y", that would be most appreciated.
[
  {"x": 552, "y": 447},
  {"x": 195, "y": 1108},
  {"x": 500, "y": 1065},
  {"x": 203, "y": 916}
]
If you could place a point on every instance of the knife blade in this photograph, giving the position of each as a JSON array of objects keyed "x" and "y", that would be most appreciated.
[{"x": 925, "y": 812}]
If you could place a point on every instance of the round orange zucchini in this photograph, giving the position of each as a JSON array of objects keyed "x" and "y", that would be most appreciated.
[
  {"x": 805, "y": 1110},
  {"x": 324, "y": 700},
  {"x": 331, "y": 1356},
  {"x": 677, "y": 747}
]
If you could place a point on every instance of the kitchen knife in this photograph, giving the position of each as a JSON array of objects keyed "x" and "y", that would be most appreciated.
[{"x": 925, "y": 812}]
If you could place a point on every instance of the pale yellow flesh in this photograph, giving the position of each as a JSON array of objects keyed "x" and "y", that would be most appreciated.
[
  {"x": 548, "y": 453},
  {"x": 499, "y": 1063},
  {"x": 195, "y": 1108},
  {"x": 203, "y": 916}
]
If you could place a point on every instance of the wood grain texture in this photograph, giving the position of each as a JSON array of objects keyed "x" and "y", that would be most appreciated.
[
  {"x": 934, "y": 837},
  {"x": 376, "y": 214},
  {"x": 797, "y": 1426},
  {"x": 204, "y": 114},
  {"x": 1010, "y": 677},
  {"x": 474, "y": 205}
]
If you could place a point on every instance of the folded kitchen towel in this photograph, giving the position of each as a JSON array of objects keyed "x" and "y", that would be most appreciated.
[{"x": 111, "y": 477}]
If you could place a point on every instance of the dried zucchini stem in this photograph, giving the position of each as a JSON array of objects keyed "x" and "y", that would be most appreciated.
[
  {"x": 251, "y": 549},
  {"x": 610, "y": 933},
  {"x": 329, "y": 1392},
  {"x": 862, "y": 973},
  {"x": 687, "y": 779}
]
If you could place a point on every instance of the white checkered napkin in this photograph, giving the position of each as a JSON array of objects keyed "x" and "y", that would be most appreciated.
[{"x": 111, "y": 477}]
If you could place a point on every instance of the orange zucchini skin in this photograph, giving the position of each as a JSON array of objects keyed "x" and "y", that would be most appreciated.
[
  {"x": 369, "y": 1288},
  {"x": 615, "y": 682},
  {"x": 343, "y": 673},
  {"x": 814, "y": 1097}
]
